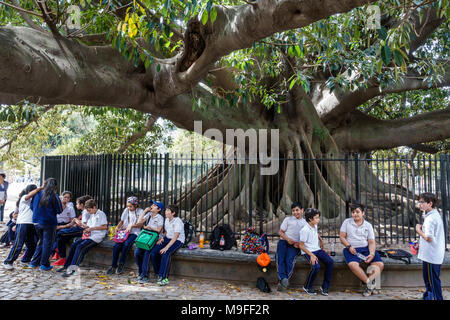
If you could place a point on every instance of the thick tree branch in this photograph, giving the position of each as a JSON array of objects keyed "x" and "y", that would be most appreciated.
[{"x": 362, "y": 133}]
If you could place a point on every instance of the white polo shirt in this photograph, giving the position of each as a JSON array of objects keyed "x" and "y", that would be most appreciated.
[
  {"x": 358, "y": 236},
  {"x": 85, "y": 216},
  {"x": 176, "y": 225},
  {"x": 96, "y": 220},
  {"x": 131, "y": 217},
  {"x": 310, "y": 236},
  {"x": 67, "y": 214},
  {"x": 156, "y": 221},
  {"x": 25, "y": 212},
  {"x": 292, "y": 226},
  {"x": 434, "y": 251}
]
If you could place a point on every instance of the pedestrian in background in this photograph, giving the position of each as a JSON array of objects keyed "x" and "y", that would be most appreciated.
[{"x": 3, "y": 194}]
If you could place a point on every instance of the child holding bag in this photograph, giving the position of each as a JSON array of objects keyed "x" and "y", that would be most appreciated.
[{"x": 126, "y": 232}]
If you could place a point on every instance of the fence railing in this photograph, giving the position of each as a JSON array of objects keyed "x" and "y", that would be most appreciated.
[{"x": 211, "y": 190}]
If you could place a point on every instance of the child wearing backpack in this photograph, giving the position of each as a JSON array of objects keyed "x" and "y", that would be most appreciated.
[
  {"x": 129, "y": 222},
  {"x": 173, "y": 240},
  {"x": 286, "y": 250},
  {"x": 151, "y": 219},
  {"x": 431, "y": 246},
  {"x": 311, "y": 245}
]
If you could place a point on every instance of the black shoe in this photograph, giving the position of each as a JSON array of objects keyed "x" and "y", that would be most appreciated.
[
  {"x": 144, "y": 280},
  {"x": 311, "y": 292},
  {"x": 324, "y": 291},
  {"x": 110, "y": 270},
  {"x": 119, "y": 269},
  {"x": 68, "y": 274}
]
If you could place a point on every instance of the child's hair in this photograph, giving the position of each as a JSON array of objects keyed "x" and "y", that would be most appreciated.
[
  {"x": 310, "y": 213},
  {"x": 429, "y": 197},
  {"x": 90, "y": 204},
  {"x": 296, "y": 204},
  {"x": 173, "y": 208},
  {"x": 69, "y": 193},
  {"x": 48, "y": 192},
  {"x": 25, "y": 191},
  {"x": 3, "y": 175},
  {"x": 357, "y": 205},
  {"x": 82, "y": 200}
]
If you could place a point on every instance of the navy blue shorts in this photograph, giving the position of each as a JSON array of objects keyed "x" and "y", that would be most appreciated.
[{"x": 364, "y": 251}]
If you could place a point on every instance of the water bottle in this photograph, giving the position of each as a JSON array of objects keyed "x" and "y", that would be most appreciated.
[
  {"x": 222, "y": 243},
  {"x": 332, "y": 253},
  {"x": 202, "y": 240}
]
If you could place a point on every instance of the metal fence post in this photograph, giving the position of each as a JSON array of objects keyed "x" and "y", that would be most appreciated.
[
  {"x": 444, "y": 177},
  {"x": 357, "y": 179},
  {"x": 347, "y": 199},
  {"x": 166, "y": 180}
]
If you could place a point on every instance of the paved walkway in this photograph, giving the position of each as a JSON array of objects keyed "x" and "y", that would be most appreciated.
[{"x": 23, "y": 283}]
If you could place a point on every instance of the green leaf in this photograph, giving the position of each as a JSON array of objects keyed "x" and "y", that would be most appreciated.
[
  {"x": 213, "y": 14},
  {"x": 386, "y": 54},
  {"x": 158, "y": 68},
  {"x": 204, "y": 17},
  {"x": 398, "y": 57}
]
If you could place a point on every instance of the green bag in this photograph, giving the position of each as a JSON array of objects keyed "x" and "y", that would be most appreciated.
[{"x": 146, "y": 239}]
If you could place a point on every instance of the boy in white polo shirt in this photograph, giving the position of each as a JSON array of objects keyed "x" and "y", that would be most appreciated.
[
  {"x": 286, "y": 249},
  {"x": 311, "y": 245},
  {"x": 431, "y": 246},
  {"x": 358, "y": 237},
  {"x": 94, "y": 231}
]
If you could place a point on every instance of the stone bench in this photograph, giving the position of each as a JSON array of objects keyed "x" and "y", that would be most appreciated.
[{"x": 233, "y": 265}]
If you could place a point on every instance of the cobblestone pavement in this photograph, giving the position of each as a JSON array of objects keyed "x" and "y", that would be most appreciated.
[{"x": 23, "y": 283}]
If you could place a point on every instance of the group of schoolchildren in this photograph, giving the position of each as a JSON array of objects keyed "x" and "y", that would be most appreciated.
[
  {"x": 46, "y": 223},
  {"x": 299, "y": 235}
]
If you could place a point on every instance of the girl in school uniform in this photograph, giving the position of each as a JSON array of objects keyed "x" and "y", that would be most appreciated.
[
  {"x": 94, "y": 231},
  {"x": 26, "y": 234},
  {"x": 129, "y": 222},
  {"x": 46, "y": 206},
  {"x": 64, "y": 219},
  {"x": 151, "y": 220},
  {"x": 173, "y": 240}
]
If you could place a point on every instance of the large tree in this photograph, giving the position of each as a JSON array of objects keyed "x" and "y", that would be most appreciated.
[{"x": 321, "y": 72}]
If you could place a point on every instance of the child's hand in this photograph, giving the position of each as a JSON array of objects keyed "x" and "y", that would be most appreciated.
[
  {"x": 163, "y": 250},
  {"x": 418, "y": 227},
  {"x": 352, "y": 250},
  {"x": 369, "y": 258},
  {"x": 314, "y": 260},
  {"x": 160, "y": 241}
]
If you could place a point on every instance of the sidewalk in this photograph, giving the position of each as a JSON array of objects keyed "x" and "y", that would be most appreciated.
[{"x": 22, "y": 283}]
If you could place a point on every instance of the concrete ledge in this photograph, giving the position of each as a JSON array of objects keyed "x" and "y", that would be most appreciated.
[{"x": 233, "y": 265}]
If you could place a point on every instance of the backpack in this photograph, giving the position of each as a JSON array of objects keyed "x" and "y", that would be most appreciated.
[
  {"x": 254, "y": 243},
  {"x": 262, "y": 285},
  {"x": 397, "y": 254},
  {"x": 228, "y": 235},
  {"x": 189, "y": 232}
]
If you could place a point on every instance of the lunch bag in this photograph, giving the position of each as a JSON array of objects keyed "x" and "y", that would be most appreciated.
[{"x": 146, "y": 239}]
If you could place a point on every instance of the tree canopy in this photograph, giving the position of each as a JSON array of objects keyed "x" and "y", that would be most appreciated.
[{"x": 329, "y": 66}]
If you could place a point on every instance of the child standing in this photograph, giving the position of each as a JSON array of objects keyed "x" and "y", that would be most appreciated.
[
  {"x": 26, "y": 233},
  {"x": 94, "y": 231},
  {"x": 173, "y": 240},
  {"x": 286, "y": 249},
  {"x": 313, "y": 252},
  {"x": 151, "y": 220},
  {"x": 129, "y": 221},
  {"x": 431, "y": 246}
]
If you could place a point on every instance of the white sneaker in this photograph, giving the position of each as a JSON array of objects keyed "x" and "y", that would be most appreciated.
[{"x": 8, "y": 266}]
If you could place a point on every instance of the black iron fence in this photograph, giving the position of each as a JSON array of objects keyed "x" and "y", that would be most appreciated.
[{"x": 215, "y": 190}]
